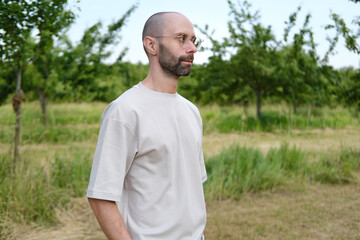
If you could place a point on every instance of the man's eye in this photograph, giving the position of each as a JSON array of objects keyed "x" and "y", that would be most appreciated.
[{"x": 182, "y": 38}]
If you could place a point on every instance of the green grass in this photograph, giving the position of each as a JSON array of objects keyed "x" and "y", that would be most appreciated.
[
  {"x": 35, "y": 189},
  {"x": 67, "y": 123},
  {"x": 234, "y": 119},
  {"x": 338, "y": 168},
  {"x": 239, "y": 170}
]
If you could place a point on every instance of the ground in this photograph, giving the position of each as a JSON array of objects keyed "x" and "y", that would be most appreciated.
[{"x": 301, "y": 212}]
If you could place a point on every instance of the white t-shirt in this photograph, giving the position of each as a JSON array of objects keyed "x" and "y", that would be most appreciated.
[{"x": 149, "y": 160}]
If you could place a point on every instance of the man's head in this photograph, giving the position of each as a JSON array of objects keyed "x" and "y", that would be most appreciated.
[{"x": 169, "y": 39}]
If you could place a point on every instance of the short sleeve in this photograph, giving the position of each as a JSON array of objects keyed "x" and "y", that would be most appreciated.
[
  {"x": 202, "y": 167},
  {"x": 202, "y": 161},
  {"x": 114, "y": 154}
]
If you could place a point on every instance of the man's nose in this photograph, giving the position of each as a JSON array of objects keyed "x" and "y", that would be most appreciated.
[{"x": 191, "y": 48}]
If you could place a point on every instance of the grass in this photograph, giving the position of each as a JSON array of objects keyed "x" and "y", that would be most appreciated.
[
  {"x": 68, "y": 122},
  {"x": 318, "y": 212},
  {"x": 56, "y": 161},
  {"x": 239, "y": 170},
  {"x": 235, "y": 119},
  {"x": 33, "y": 192},
  {"x": 337, "y": 169}
]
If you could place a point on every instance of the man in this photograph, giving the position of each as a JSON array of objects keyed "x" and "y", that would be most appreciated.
[{"x": 148, "y": 169}]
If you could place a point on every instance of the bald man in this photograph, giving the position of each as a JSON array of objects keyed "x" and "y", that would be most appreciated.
[{"x": 148, "y": 170}]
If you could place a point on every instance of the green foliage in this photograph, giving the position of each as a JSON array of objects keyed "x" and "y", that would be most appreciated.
[
  {"x": 19, "y": 19},
  {"x": 6, "y": 85},
  {"x": 341, "y": 29},
  {"x": 81, "y": 68},
  {"x": 349, "y": 88},
  {"x": 16, "y": 26},
  {"x": 253, "y": 58},
  {"x": 252, "y": 64}
]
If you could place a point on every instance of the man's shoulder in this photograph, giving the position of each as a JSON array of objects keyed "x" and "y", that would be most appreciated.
[
  {"x": 189, "y": 104},
  {"x": 122, "y": 105}
]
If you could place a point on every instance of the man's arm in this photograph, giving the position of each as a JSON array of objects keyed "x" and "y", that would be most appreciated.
[{"x": 109, "y": 218}]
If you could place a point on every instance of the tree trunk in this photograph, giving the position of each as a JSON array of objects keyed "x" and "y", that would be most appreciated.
[
  {"x": 43, "y": 97},
  {"x": 245, "y": 107},
  {"x": 17, "y": 100},
  {"x": 294, "y": 107},
  {"x": 258, "y": 104}
]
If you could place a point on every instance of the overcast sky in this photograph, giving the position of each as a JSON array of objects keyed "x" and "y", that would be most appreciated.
[{"x": 215, "y": 13}]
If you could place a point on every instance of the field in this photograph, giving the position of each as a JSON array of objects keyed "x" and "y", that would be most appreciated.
[{"x": 290, "y": 176}]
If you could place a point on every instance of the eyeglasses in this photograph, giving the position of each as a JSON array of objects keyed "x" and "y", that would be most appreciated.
[{"x": 185, "y": 39}]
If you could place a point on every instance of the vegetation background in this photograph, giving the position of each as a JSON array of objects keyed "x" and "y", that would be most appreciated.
[{"x": 281, "y": 126}]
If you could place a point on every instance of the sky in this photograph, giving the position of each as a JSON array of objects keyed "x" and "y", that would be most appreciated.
[{"x": 215, "y": 13}]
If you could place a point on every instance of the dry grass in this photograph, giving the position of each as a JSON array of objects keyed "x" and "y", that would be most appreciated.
[
  {"x": 318, "y": 212},
  {"x": 315, "y": 141},
  {"x": 76, "y": 222}
]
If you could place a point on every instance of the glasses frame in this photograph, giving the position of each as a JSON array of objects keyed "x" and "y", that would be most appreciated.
[{"x": 195, "y": 40}]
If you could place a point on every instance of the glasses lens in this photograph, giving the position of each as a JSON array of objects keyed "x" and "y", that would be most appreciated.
[{"x": 197, "y": 43}]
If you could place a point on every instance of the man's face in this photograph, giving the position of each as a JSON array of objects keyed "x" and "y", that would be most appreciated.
[
  {"x": 179, "y": 66},
  {"x": 175, "y": 56}
]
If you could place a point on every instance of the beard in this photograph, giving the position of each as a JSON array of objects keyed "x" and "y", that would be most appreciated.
[{"x": 171, "y": 64}]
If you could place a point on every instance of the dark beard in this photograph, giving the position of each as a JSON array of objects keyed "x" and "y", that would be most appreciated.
[{"x": 170, "y": 64}]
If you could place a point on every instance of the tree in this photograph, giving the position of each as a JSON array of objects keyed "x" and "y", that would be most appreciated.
[
  {"x": 299, "y": 68},
  {"x": 349, "y": 85},
  {"x": 78, "y": 66},
  {"x": 15, "y": 49},
  {"x": 52, "y": 18},
  {"x": 341, "y": 29},
  {"x": 253, "y": 54},
  {"x": 19, "y": 19},
  {"x": 349, "y": 89}
]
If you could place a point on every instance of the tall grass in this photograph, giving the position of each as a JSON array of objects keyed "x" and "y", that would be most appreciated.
[
  {"x": 238, "y": 170},
  {"x": 34, "y": 190},
  {"x": 337, "y": 168}
]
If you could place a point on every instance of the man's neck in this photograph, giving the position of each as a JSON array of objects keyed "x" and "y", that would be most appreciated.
[{"x": 161, "y": 82}]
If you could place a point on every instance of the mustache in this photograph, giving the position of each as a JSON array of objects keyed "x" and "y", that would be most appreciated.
[{"x": 189, "y": 57}]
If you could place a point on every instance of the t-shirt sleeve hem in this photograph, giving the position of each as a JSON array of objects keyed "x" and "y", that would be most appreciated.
[
  {"x": 103, "y": 196},
  {"x": 204, "y": 178}
]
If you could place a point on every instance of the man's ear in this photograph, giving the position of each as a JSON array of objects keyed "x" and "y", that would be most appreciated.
[{"x": 150, "y": 45}]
